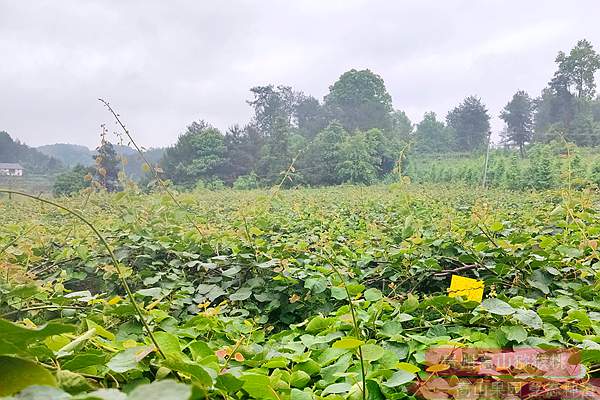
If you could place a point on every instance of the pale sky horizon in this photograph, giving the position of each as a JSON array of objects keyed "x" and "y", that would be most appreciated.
[{"x": 163, "y": 65}]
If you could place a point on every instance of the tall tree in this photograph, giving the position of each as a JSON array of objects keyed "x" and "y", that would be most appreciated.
[
  {"x": 432, "y": 136},
  {"x": 471, "y": 123},
  {"x": 569, "y": 93},
  {"x": 198, "y": 155},
  {"x": 359, "y": 100},
  {"x": 402, "y": 127},
  {"x": 243, "y": 149},
  {"x": 310, "y": 116},
  {"x": 107, "y": 166},
  {"x": 273, "y": 108},
  {"x": 576, "y": 70},
  {"x": 357, "y": 160},
  {"x": 323, "y": 156},
  {"x": 518, "y": 116}
]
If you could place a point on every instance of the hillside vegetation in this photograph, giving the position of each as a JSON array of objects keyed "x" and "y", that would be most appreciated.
[{"x": 290, "y": 294}]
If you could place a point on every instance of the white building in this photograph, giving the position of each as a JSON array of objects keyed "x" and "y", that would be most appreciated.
[{"x": 11, "y": 169}]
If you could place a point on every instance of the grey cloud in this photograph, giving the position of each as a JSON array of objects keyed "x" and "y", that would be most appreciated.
[{"x": 164, "y": 64}]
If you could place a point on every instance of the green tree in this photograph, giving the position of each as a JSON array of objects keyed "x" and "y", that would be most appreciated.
[
  {"x": 402, "y": 127},
  {"x": 72, "y": 181},
  {"x": 543, "y": 171},
  {"x": 518, "y": 116},
  {"x": 471, "y": 123},
  {"x": 359, "y": 101},
  {"x": 576, "y": 70},
  {"x": 243, "y": 151},
  {"x": 107, "y": 166},
  {"x": 432, "y": 136},
  {"x": 323, "y": 156},
  {"x": 310, "y": 116},
  {"x": 273, "y": 108},
  {"x": 197, "y": 155},
  {"x": 569, "y": 93},
  {"x": 357, "y": 161}
]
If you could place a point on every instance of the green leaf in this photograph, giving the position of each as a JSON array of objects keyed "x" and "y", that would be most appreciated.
[
  {"x": 72, "y": 382},
  {"x": 15, "y": 338},
  {"x": 515, "y": 333},
  {"x": 400, "y": 377},
  {"x": 168, "y": 343},
  {"x": 150, "y": 292},
  {"x": 373, "y": 294},
  {"x": 373, "y": 391},
  {"x": 241, "y": 294},
  {"x": 567, "y": 251},
  {"x": 371, "y": 352},
  {"x": 337, "y": 388},
  {"x": 299, "y": 379},
  {"x": 229, "y": 383},
  {"x": 102, "y": 394},
  {"x": 16, "y": 374},
  {"x": 311, "y": 367},
  {"x": 297, "y": 394},
  {"x": 528, "y": 318},
  {"x": 200, "y": 349},
  {"x": 129, "y": 358},
  {"x": 42, "y": 393},
  {"x": 161, "y": 390},
  {"x": 497, "y": 306},
  {"x": 316, "y": 285},
  {"x": 198, "y": 373},
  {"x": 319, "y": 324},
  {"x": 347, "y": 343},
  {"x": 258, "y": 386},
  {"x": 338, "y": 293}
]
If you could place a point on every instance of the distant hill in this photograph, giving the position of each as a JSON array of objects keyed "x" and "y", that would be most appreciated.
[
  {"x": 73, "y": 154},
  {"x": 34, "y": 161},
  {"x": 69, "y": 154}
]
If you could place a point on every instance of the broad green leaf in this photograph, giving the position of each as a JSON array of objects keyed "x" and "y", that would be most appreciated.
[
  {"x": 371, "y": 352},
  {"x": 299, "y": 379},
  {"x": 168, "y": 343},
  {"x": 102, "y": 394},
  {"x": 258, "y": 386},
  {"x": 17, "y": 374},
  {"x": 316, "y": 285},
  {"x": 567, "y": 251},
  {"x": 161, "y": 390},
  {"x": 36, "y": 392},
  {"x": 337, "y": 388},
  {"x": 197, "y": 373},
  {"x": 297, "y": 394},
  {"x": 528, "y": 318},
  {"x": 497, "y": 306},
  {"x": 373, "y": 294},
  {"x": 15, "y": 338},
  {"x": 400, "y": 377},
  {"x": 129, "y": 358},
  {"x": 347, "y": 343},
  {"x": 241, "y": 294},
  {"x": 515, "y": 333},
  {"x": 319, "y": 324},
  {"x": 229, "y": 383},
  {"x": 373, "y": 391}
]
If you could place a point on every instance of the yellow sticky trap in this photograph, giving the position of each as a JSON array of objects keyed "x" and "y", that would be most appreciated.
[{"x": 471, "y": 289}]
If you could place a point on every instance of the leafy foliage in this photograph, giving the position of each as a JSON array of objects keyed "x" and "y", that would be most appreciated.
[{"x": 254, "y": 307}]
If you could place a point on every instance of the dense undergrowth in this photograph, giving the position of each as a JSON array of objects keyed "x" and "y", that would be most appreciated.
[{"x": 255, "y": 303}]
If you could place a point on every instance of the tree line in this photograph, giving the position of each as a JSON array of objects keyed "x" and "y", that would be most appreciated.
[{"x": 354, "y": 135}]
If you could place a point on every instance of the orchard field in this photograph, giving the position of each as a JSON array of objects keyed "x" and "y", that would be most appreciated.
[{"x": 337, "y": 293}]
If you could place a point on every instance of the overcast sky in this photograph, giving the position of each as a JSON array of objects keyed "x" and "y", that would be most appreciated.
[{"x": 163, "y": 64}]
